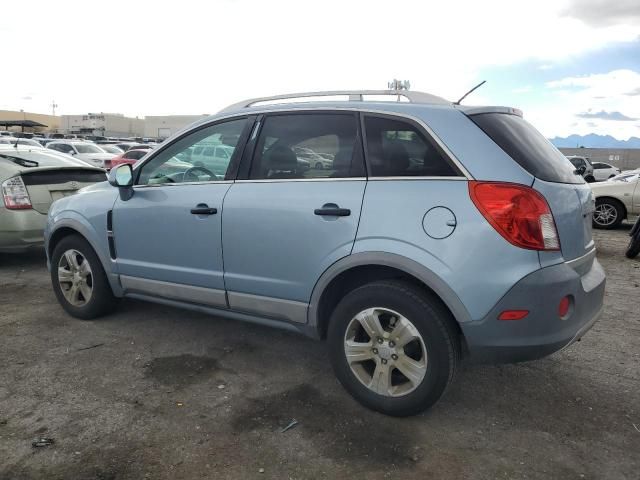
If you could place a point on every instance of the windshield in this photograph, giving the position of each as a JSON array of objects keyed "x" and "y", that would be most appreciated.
[{"x": 87, "y": 148}]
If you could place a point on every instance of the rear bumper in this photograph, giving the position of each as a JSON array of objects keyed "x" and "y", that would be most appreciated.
[
  {"x": 542, "y": 332},
  {"x": 21, "y": 229}
]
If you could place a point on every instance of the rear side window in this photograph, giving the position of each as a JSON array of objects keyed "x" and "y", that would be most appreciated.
[
  {"x": 299, "y": 146},
  {"x": 396, "y": 148},
  {"x": 522, "y": 142}
]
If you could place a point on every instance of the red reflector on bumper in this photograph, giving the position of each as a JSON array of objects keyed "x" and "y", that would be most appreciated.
[
  {"x": 563, "y": 308},
  {"x": 513, "y": 314}
]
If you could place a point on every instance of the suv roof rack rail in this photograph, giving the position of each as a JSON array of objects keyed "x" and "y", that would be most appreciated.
[{"x": 354, "y": 95}]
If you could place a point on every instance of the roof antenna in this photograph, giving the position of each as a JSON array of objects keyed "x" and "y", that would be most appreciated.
[{"x": 469, "y": 92}]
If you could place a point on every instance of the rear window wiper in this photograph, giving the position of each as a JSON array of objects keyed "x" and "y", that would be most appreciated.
[{"x": 21, "y": 161}]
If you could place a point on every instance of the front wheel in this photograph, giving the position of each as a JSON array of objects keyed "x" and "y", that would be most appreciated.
[
  {"x": 78, "y": 279},
  {"x": 393, "y": 347},
  {"x": 608, "y": 213},
  {"x": 633, "y": 249}
]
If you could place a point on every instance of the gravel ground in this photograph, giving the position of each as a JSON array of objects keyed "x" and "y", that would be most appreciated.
[{"x": 156, "y": 392}]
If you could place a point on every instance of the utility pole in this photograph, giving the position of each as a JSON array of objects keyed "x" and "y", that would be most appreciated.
[{"x": 54, "y": 105}]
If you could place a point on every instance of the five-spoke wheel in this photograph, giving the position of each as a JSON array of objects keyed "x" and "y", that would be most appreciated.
[
  {"x": 75, "y": 278},
  {"x": 393, "y": 346},
  {"x": 385, "y": 352},
  {"x": 79, "y": 280}
]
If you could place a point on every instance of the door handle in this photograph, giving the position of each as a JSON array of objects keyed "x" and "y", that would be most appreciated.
[
  {"x": 332, "y": 210},
  {"x": 203, "y": 209}
]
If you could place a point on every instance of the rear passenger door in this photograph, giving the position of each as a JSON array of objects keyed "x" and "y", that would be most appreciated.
[{"x": 285, "y": 221}]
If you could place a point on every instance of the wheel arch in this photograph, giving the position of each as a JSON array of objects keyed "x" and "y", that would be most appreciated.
[
  {"x": 361, "y": 268},
  {"x": 73, "y": 226}
]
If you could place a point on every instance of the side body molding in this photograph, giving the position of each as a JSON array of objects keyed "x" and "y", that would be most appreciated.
[{"x": 411, "y": 267}]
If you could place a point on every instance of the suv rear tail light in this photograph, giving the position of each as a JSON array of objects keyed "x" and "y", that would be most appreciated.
[
  {"x": 518, "y": 213},
  {"x": 15, "y": 194}
]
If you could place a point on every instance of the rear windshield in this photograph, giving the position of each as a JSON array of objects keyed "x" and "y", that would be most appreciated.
[{"x": 528, "y": 147}]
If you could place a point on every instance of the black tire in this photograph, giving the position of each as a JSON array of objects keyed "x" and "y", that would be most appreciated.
[
  {"x": 589, "y": 179},
  {"x": 102, "y": 300},
  {"x": 434, "y": 324},
  {"x": 619, "y": 213},
  {"x": 633, "y": 249}
]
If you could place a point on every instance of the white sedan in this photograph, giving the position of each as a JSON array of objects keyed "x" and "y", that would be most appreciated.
[
  {"x": 603, "y": 171},
  {"x": 616, "y": 199}
]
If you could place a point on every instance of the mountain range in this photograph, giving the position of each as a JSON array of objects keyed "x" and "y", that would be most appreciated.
[{"x": 593, "y": 140}]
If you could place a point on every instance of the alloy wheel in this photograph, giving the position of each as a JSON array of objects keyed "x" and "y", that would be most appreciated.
[
  {"x": 75, "y": 278},
  {"x": 385, "y": 352},
  {"x": 605, "y": 214}
]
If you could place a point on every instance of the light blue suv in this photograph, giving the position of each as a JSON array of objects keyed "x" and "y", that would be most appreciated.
[{"x": 432, "y": 232}]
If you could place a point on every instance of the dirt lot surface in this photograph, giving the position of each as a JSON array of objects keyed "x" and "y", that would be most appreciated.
[{"x": 156, "y": 392}]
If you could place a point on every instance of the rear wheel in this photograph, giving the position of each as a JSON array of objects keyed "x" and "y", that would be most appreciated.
[
  {"x": 78, "y": 279},
  {"x": 393, "y": 347},
  {"x": 608, "y": 213},
  {"x": 589, "y": 179}
]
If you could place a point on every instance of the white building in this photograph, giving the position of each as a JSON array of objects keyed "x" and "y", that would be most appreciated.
[
  {"x": 106, "y": 124},
  {"x": 164, "y": 126}
]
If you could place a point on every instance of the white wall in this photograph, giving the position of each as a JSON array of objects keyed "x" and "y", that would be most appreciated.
[{"x": 155, "y": 126}]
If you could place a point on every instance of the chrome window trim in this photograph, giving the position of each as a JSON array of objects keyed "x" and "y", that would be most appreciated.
[
  {"x": 178, "y": 184},
  {"x": 286, "y": 180},
  {"x": 457, "y": 178},
  {"x": 343, "y": 179}
]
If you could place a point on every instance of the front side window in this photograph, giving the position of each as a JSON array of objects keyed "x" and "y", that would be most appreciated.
[
  {"x": 193, "y": 158},
  {"x": 398, "y": 149},
  {"x": 304, "y": 146}
]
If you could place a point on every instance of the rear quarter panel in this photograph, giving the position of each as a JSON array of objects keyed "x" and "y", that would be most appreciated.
[{"x": 474, "y": 261}]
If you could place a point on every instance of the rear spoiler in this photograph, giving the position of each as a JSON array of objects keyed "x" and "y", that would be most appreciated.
[
  {"x": 477, "y": 110},
  {"x": 23, "y": 162}
]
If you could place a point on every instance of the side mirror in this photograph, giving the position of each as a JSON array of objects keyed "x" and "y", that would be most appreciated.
[
  {"x": 122, "y": 177},
  {"x": 581, "y": 169}
]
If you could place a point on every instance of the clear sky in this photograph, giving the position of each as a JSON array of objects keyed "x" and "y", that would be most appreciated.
[{"x": 573, "y": 66}]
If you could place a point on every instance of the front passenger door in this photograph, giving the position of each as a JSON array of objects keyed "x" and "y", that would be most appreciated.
[{"x": 168, "y": 235}]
